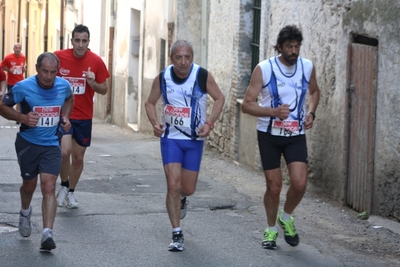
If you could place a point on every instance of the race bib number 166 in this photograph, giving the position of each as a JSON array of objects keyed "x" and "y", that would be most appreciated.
[{"x": 178, "y": 116}]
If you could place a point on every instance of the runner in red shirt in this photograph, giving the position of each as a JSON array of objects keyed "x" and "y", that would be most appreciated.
[
  {"x": 87, "y": 74},
  {"x": 14, "y": 64}
]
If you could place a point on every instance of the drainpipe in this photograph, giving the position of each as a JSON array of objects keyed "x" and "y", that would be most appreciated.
[
  {"x": 19, "y": 21},
  {"x": 26, "y": 37},
  {"x": 46, "y": 25},
  {"x": 62, "y": 25},
  {"x": 4, "y": 29},
  {"x": 110, "y": 59},
  {"x": 204, "y": 28}
]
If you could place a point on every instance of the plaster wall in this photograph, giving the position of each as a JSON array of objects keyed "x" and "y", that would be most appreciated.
[
  {"x": 121, "y": 60},
  {"x": 156, "y": 29},
  {"x": 93, "y": 15},
  {"x": 229, "y": 29},
  {"x": 134, "y": 74},
  {"x": 188, "y": 24}
]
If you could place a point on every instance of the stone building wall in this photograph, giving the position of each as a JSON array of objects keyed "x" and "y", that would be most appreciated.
[
  {"x": 230, "y": 32},
  {"x": 227, "y": 35},
  {"x": 229, "y": 28}
]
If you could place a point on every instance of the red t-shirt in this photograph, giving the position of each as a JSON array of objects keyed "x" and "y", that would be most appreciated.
[
  {"x": 74, "y": 70},
  {"x": 17, "y": 64}
]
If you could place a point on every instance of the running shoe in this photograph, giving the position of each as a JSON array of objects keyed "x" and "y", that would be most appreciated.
[
  {"x": 291, "y": 236},
  {"x": 71, "y": 201},
  {"x": 184, "y": 205},
  {"x": 177, "y": 241},
  {"x": 269, "y": 240},
  {"x": 24, "y": 225},
  {"x": 61, "y": 195},
  {"x": 47, "y": 242}
]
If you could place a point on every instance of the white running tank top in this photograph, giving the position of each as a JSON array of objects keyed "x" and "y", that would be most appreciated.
[
  {"x": 284, "y": 85},
  {"x": 184, "y": 105}
]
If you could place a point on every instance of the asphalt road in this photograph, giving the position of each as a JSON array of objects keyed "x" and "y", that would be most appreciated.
[{"x": 122, "y": 220}]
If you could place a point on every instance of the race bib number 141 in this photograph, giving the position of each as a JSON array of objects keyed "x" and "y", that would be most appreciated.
[{"x": 49, "y": 116}]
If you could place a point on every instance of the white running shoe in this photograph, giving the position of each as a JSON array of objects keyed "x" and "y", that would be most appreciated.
[
  {"x": 177, "y": 242},
  {"x": 61, "y": 195},
  {"x": 24, "y": 225},
  {"x": 47, "y": 242},
  {"x": 71, "y": 201}
]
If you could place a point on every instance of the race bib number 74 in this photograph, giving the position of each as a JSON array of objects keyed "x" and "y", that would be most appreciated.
[
  {"x": 78, "y": 85},
  {"x": 178, "y": 116},
  {"x": 49, "y": 116}
]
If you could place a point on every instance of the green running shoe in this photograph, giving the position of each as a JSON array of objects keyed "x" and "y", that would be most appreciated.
[
  {"x": 269, "y": 240},
  {"x": 291, "y": 236}
]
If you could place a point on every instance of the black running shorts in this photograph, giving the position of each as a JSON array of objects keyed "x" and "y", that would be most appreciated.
[{"x": 272, "y": 147}]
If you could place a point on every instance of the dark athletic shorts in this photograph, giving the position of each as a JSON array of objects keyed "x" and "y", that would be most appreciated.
[
  {"x": 34, "y": 159},
  {"x": 186, "y": 152},
  {"x": 81, "y": 131},
  {"x": 272, "y": 147}
]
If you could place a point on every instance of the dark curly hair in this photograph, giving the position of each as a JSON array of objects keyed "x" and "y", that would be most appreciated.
[{"x": 288, "y": 33}]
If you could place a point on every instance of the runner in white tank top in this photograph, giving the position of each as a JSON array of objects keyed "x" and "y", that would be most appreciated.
[
  {"x": 283, "y": 82},
  {"x": 284, "y": 85},
  {"x": 184, "y": 87}
]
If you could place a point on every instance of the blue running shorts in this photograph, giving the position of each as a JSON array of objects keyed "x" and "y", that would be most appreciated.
[{"x": 186, "y": 152}]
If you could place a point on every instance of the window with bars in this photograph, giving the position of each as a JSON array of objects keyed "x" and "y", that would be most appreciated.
[{"x": 255, "y": 43}]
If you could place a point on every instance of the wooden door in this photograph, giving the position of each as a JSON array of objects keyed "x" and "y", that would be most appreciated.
[{"x": 362, "y": 106}]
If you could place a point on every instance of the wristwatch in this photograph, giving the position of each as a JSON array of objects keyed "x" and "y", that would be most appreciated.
[{"x": 313, "y": 114}]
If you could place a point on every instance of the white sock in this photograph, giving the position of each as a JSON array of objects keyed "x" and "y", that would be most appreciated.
[
  {"x": 46, "y": 229},
  {"x": 25, "y": 213},
  {"x": 286, "y": 216},
  {"x": 177, "y": 229},
  {"x": 273, "y": 228}
]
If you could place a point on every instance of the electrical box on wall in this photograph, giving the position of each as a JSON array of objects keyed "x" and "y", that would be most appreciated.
[{"x": 135, "y": 43}]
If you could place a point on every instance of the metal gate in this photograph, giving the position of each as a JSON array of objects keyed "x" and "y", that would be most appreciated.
[{"x": 362, "y": 106}]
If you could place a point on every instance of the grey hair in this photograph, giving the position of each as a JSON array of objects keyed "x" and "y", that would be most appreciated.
[
  {"x": 180, "y": 43},
  {"x": 47, "y": 55}
]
